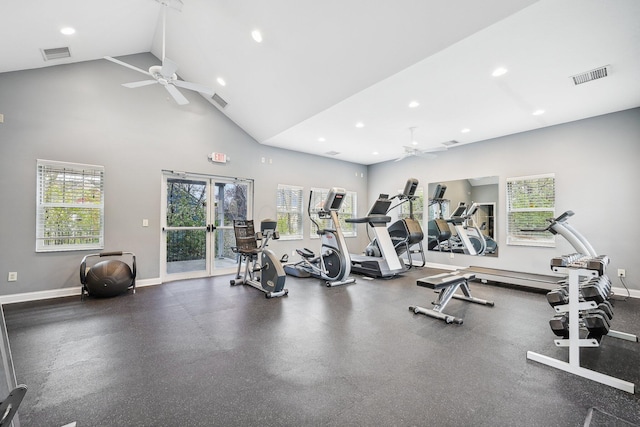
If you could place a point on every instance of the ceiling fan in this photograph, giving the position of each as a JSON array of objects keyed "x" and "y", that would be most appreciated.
[
  {"x": 165, "y": 74},
  {"x": 410, "y": 151}
]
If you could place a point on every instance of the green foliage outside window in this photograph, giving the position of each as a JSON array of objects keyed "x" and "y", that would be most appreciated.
[{"x": 530, "y": 203}]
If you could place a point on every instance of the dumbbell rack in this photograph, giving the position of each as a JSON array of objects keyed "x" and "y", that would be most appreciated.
[{"x": 574, "y": 342}]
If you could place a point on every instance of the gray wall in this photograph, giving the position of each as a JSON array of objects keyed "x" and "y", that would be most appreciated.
[
  {"x": 595, "y": 162},
  {"x": 80, "y": 113}
]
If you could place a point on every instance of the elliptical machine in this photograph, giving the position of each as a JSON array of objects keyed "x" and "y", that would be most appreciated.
[
  {"x": 258, "y": 258},
  {"x": 333, "y": 263}
]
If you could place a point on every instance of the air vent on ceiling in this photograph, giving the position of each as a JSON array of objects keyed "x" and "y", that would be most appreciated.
[
  {"x": 332, "y": 153},
  {"x": 56, "y": 53},
  {"x": 585, "y": 77},
  {"x": 450, "y": 143},
  {"x": 218, "y": 100}
]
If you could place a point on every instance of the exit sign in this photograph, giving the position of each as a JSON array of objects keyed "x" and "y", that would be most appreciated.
[{"x": 219, "y": 157}]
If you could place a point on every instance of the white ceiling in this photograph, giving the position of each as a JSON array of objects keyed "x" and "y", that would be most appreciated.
[{"x": 325, "y": 65}]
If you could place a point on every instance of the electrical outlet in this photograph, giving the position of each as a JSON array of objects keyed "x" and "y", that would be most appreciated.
[
  {"x": 451, "y": 255},
  {"x": 145, "y": 222},
  {"x": 621, "y": 272},
  {"x": 12, "y": 277}
]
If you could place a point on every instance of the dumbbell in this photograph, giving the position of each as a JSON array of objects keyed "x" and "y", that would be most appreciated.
[
  {"x": 596, "y": 324},
  {"x": 560, "y": 325}
]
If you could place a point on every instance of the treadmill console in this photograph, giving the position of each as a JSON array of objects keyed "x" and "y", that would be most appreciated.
[
  {"x": 462, "y": 207},
  {"x": 380, "y": 207}
]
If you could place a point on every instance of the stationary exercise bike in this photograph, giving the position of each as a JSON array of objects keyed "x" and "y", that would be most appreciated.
[
  {"x": 258, "y": 258},
  {"x": 332, "y": 264}
]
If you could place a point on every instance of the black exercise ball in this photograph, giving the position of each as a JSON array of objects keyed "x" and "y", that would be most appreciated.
[{"x": 108, "y": 278}]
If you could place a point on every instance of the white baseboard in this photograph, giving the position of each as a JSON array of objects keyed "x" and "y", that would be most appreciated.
[
  {"x": 622, "y": 292},
  {"x": 64, "y": 292},
  {"x": 444, "y": 266}
]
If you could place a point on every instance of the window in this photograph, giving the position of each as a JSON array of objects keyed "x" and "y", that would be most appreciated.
[
  {"x": 289, "y": 206},
  {"x": 418, "y": 207},
  {"x": 347, "y": 210},
  {"x": 69, "y": 206},
  {"x": 530, "y": 202}
]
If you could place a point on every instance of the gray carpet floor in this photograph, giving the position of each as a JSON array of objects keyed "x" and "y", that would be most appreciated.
[{"x": 203, "y": 353}]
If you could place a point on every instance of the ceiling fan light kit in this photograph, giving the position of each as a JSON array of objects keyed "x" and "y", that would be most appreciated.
[{"x": 416, "y": 152}]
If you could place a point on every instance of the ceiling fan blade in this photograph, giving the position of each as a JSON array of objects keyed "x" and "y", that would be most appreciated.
[
  {"x": 124, "y": 64},
  {"x": 169, "y": 68},
  {"x": 434, "y": 149},
  {"x": 194, "y": 86},
  {"x": 140, "y": 84},
  {"x": 177, "y": 96}
]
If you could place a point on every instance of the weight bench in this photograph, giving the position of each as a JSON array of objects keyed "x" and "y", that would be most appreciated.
[{"x": 446, "y": 284}]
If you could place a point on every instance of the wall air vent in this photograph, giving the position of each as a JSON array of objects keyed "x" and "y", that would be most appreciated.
[
  {"x": 218, "y": 100},
  {"x": 450, "y": 143},
  {"x": 598, "y": 73},
  {"x": 332, "y": 153},
  {"x": 55, "y": 53}
]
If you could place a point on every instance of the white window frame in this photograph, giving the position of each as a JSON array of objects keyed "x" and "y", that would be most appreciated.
[
  {"x": 80, "y": 183},
  {"x": 348, "y": 229},
  {"x": 539, "y": 209},
  {"x": 292, "y": 195}
]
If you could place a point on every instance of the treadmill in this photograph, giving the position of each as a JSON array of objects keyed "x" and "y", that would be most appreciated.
[{"x": 389, "y": 263}]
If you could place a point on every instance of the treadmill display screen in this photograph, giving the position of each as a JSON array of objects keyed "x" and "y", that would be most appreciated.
[{"x": 380, "y": 207}]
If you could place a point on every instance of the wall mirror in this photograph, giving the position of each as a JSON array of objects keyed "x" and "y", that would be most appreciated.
[{"x": 462, "y": 216}]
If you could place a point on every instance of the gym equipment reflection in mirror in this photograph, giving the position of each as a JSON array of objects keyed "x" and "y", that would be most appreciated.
[{"x": 462, "y": 216}]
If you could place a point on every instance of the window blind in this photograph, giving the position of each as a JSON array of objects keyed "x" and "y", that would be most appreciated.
[
  {"x": 530, "y": 202},
  {"x": 69, "y": 206},
  {"x": 289, "y": 206}
]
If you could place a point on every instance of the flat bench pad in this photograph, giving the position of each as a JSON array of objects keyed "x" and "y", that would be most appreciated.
[{"x": 443, "y": 280}]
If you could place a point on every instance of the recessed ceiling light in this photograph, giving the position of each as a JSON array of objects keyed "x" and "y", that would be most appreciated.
[
  {"x": 257, "y": 36},
  {"x": 221, "y": 81},
  {"x": 359, "y": 125},
  {"x": 67, "y": 31},
  {"x": 465, "y": 130},
  {"x": 500, "y": 71},
  {"x": 414, "y": 104},
  {"x": 375, "y": 153},
  {"x": 538, "y": 112},
  {"x": 321, "y": 139}
]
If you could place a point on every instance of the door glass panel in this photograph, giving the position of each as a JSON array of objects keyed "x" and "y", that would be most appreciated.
[
  {"x": 186, "y": 203},
  {"x": 186, "y": 225},
  {"x": 186, "y": 250},
  {"x": 231, "y": 202}
]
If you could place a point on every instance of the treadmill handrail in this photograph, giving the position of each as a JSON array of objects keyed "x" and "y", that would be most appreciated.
[{"x": 372, "y": 219}]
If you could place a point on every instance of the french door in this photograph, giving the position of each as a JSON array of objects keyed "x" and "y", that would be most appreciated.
[{"x": 197, "y": 224}]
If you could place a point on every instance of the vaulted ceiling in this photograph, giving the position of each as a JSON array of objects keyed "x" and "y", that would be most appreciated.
[{"x": 360, "y": 80}]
